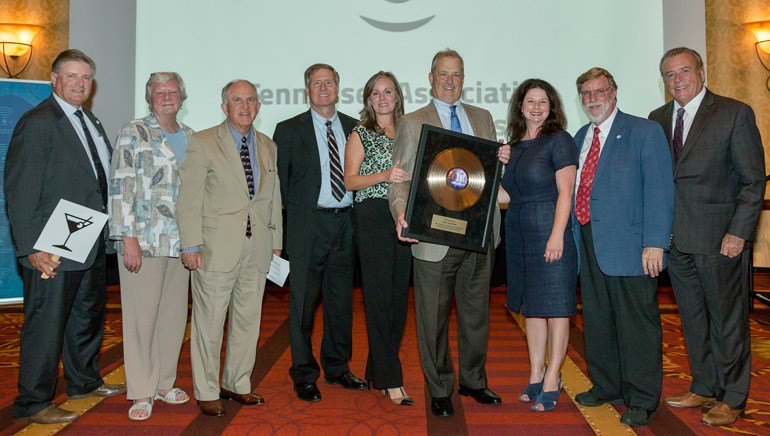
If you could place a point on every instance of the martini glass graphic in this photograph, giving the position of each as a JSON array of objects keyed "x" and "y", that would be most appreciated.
[{"x": 74, "y": 224}]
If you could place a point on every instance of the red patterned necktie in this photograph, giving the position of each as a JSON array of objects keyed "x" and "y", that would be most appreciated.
[
  {"x": 583, "y": 198},
  {"x": 248, "y": 171},
  {"x": 678, "y": 140}
]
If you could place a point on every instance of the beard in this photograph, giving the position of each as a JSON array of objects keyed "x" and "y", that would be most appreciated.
[{"x": 597, "y": 119}]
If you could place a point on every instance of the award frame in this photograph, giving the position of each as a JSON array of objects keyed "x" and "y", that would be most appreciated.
[{"x": 435, "y": 186}]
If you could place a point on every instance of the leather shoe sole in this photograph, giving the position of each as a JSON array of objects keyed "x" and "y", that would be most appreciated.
[
  {"x": 211, "y": 408},
  {"x": 307, "y": 392},
  {"x": 51, "y": 415},
  {"x": 442, "y": 406},
  {"x": 589, "y": 399},
  {"x": 690, "y": 400},
  {"x": 482, "y": 396},
  {"x": 249, "y": 399}
]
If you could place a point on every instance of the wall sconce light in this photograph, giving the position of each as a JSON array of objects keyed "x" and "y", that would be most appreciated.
[
  {"x": 16, "y": 41},
  {"x": 761, "y": 30}
]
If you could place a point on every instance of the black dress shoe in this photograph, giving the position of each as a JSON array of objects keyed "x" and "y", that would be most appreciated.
[
  {"x": 590, "y": 399},
  {"x": 347, "y": 381},
  {"x": 636, "y": 416},
  {"x": 307, "y": 392},
  {"x": 483, "y": 395},
  {"x": 442, "y": 406}
]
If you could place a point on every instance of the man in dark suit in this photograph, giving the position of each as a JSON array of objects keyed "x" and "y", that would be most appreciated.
[
  {"x": 624, "y": 206},
  {"x": 719, "y": 170},
  {"x": 319, "y": 233},
  {"x": 441, "y": 271},
  {"x": 56, "y": 153}
]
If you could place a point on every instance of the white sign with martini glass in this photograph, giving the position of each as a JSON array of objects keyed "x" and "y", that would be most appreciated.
[{"x": 71, "y": 231}]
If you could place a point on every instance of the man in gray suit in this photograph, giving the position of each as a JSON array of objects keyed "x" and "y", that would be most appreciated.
[
  {"x": 719, "y": 172},
  {"x": 440, "y": 271},
  {"x": 59, "y": 151}
]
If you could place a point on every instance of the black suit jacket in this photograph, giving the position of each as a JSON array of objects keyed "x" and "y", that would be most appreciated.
[
  {"x": 46, "y": 162},
  {"x": 720, "y": 177},
  {"x": 299, "y": 169}
]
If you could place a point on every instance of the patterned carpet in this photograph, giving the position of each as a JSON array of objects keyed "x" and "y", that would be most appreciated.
[{"x": 369, "y": 412}]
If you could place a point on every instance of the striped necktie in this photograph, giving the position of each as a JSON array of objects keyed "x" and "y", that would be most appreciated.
[{"x": 335, "y": 166}]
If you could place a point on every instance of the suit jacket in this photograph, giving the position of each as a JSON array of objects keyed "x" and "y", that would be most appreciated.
[
  {"x": 632, "y": 199},
  {"x": 214, "y": 204},
  {"x": 299, "y": 168},
  {"x": 46, "y": 162},
  {"x": 720, "y": 176},
  {"x": 405, "y": 150}
]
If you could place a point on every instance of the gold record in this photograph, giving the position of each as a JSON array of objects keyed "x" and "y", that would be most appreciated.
[{"x": 456, "y": 179}]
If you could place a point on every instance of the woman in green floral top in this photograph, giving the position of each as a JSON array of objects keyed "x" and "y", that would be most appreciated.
[{"x": 385, "y": 262}]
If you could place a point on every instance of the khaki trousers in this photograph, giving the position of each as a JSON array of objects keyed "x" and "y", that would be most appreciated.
[
  {"x": 154, "y": 303},
  {"x": 236, "y": 294}
]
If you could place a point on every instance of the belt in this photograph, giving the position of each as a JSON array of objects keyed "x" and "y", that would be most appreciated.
[{"x": 334, "y": 210}]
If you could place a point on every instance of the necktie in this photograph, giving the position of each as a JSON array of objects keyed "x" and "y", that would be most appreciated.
[
  {"x": 583, "y": 198},
  {"x": 101, "y": 175},
  {"x": 678, "y": 141},
  {"x": 248, "y": 171},
  {"x": 335, "y": 167},
  {"x": 454, "y": 120}
]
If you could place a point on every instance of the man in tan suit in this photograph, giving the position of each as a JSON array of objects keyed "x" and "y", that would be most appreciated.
[
  {"x": 441, "y": 271},
  {"x": 229, "y": 213}
]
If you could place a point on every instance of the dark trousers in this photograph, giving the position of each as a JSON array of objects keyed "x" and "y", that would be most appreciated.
[
  {"x": 63, "y": 316},
  {"x": 464, "y": 274},
  {"x": 385, "y": 266},
  {"x": 713, "y": 299},
  {"x": 324, "y": 266},
  {"x": 623, "y": 336}
]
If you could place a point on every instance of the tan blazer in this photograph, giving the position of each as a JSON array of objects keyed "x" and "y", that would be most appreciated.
[
  {"x": 405, "y": 150},
  {"x": 213, "y": 202}
]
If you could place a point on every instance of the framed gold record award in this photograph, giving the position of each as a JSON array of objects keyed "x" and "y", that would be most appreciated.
[{"x": 454, "y": 190}]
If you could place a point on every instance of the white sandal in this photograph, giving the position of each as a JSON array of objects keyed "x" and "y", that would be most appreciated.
[
  {"x": 143, "y": 406},
  {"x": 170, "y": 397}
]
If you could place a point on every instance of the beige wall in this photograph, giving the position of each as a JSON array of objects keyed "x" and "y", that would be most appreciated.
[{"x": 54, "y": 16}]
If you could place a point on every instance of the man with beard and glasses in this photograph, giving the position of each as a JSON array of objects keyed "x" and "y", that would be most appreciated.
[{"x": 624, "y": 207}]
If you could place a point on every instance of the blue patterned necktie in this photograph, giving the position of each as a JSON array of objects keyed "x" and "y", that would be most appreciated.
[
  {"x": 335, "y": 166},
  {"x": 454, "y": 120},
  {"x": 249, "y": 173}
]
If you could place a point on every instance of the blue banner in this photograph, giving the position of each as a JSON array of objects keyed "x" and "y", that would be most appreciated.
[{"x": 16, "y": 98}]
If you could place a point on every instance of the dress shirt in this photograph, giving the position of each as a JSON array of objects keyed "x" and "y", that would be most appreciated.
[
  {"x": 251, "y": 144},
  {"x": 604, "y": 130},
  {"x": 101, "y": 146},
  {"x": 690, "y": 110},
  {"x": 445, "y": 114},
  {"x": 325, "y": 197}
]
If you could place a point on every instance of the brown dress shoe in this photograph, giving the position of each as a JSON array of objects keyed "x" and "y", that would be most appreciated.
[
  {"x": 212, "y": 408},
  {"x": 721, "y": 414},
  {"x": 690, "y": 400},
  {"x": 245, "y": 399},
  {"x": 51, "y": 415}
]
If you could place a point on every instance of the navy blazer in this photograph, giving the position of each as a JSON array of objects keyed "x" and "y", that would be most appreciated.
[
  {"x": 47, "y": 162},
  {"x": 632, "y": 199}
]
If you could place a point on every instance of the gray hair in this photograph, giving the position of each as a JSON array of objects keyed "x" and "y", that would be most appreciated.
[
  {"x": 163, "y": 77},
  {"x": 677, "y": 51},
  {"x": 446, "y": 53},
  {"x": 71, "y": 55},
  {"x": 233, "y": 82}
]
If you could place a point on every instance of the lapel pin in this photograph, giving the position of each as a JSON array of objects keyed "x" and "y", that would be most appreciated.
[{"x": 617, "y": 137}]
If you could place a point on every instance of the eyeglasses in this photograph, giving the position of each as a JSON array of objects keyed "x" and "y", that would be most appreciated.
[{"x": 598, "y": 93}]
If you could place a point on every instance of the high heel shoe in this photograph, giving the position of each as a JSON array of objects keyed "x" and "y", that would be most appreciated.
[
  {"x": 547, "y": 399},
  {"x": 398, "y": 396},
  {"x": 532, "y": 390}
]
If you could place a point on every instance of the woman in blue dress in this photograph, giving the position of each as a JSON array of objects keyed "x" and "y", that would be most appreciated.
[{"x": 539, "y": 182}]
